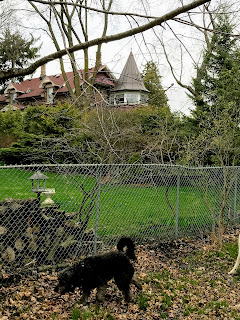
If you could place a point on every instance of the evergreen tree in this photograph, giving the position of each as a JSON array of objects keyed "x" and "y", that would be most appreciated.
[
  {"x": 152, "y": 81},
  {"x": 16, "y": 51},
  {"x": 218, "y": 69},
  {"x": 215, "y": 139}
]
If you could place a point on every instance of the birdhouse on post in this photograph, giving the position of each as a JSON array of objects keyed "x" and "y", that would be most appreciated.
[{"x": 38, "y": 184}]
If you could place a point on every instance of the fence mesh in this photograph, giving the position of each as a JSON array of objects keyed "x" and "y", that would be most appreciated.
[{"x": 49, "y": 213}]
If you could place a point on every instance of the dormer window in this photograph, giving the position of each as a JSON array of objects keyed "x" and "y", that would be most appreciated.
[
  {"x": 48, "y": 87},
  {"x": 50, "y": 95},
  {"x": 12, "y": 97}
]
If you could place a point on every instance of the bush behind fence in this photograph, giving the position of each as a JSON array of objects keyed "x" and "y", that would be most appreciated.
[{"x": 76, "y": 210}]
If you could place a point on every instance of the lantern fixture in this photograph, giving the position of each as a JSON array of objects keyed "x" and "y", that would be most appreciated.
[{"x": 38, "y": 182}]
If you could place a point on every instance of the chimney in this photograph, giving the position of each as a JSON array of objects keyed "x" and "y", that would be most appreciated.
[{"x": 43, "y": 71}]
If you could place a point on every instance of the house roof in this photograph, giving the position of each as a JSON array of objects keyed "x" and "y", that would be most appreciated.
[
  {"x": 3, "y": 98},
  {"x": 130, "y": 78},
  {"x": 34, "y": 88}
]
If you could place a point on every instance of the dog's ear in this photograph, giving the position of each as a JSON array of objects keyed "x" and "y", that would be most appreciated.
[
  {"x": 126, "y": 242},
  {"x": 131, "y": 255}
]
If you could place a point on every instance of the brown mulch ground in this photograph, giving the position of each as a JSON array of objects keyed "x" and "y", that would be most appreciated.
[{"x": 186, "y": 279}]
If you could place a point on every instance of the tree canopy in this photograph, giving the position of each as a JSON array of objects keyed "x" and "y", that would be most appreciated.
[
  {"x": 152, "y": 81},
  {"x": 216, "y": 115},
  {"x": 218, "y": 70},
  {"x": 16, "y": 52}
]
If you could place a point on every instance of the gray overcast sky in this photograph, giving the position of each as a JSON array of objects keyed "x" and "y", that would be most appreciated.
[{"x": 144, "y": 47}]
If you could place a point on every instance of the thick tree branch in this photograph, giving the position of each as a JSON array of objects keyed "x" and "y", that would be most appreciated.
[{"x": 106, "y": 39}]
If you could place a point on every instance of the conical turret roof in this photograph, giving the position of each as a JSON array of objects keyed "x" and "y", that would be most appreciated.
[{"x": 130, "y": 78}]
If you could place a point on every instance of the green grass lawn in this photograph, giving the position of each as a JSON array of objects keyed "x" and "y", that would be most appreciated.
[
  {"x": 125, "y": 209},
  {"x": 140, "y": 211}
]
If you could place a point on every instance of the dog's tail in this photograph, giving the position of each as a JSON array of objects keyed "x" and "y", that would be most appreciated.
[{"x": 127, "y": 242}]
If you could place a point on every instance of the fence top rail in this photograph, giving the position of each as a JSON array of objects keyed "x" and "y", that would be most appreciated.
[{"x": 116, "y": 165}]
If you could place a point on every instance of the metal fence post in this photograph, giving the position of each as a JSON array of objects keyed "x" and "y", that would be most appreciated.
[
  {"x": 177, "y": 204},
  {"x": 97, "y": 212}
]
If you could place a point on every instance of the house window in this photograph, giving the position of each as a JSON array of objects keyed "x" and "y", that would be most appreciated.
[
  {"x": 50, "y": 95},
  {"x": 120, "y": 98},
  {"x": 112, "y": 99},
  {"x": 144, "y": 98},
  {"x": 12, "y": 96},
  {"x": 132, "y": 97}
]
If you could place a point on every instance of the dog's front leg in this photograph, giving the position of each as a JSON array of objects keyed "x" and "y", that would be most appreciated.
[
  {"x": 101, "y": 291},
  {"x": 84, "y": 299}
]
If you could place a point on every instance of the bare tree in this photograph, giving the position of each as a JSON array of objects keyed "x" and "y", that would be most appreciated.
[
  {"x": 206, "y": 27},
  {"x": 72, "y": 22},
  {"x": 7, "y": 14},
  {"x": 63, "y": 11}
]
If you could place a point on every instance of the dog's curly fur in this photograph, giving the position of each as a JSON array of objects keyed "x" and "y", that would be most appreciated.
[{"x": 96, "y": 271}]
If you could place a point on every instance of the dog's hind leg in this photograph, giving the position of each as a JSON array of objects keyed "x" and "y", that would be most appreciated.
[
  {"x": 101, "y": 293},
  {"x": 124, "y": 285},
  {"x": 126, "y": 292},
  {"x": 136, "y": 283}
]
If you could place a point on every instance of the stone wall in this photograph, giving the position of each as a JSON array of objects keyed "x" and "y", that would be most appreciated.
[{"x": 40, "y": 235}]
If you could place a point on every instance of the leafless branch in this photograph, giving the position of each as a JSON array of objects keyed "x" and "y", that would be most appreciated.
[{"x": 104, "y": 39}]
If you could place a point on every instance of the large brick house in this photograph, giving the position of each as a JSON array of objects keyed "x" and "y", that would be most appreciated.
[
  {"x": 49, "y": 89},
  {"x": 128, "y": 90}
]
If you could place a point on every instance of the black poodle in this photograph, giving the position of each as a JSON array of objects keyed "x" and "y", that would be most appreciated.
[{"x": 96, "y": 271}]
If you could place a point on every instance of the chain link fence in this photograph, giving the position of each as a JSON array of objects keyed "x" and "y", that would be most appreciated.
[{"x": 50, "y": 213}]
